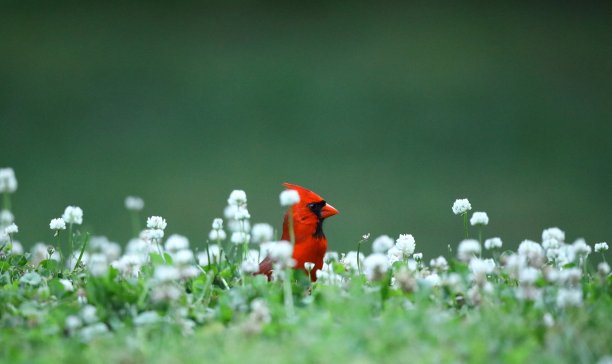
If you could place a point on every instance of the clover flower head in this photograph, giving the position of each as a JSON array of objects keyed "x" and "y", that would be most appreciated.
[
  {"x": 289, "y": 197},
  {"x": 73, "y": 215},
  {"x": 479, "y": 218},
  {"x": 237, "y": 198},
  {"x": 553, "y": 233},
  {"x": 134, "y": 203},
  {"x": 240, "y": 237},
  {"x": 6, "y": 218},
  {"x": 261, "y": 233},
  {"x": 217, "y": 235},
  {"x": 382, "y": 244},
  {"x": 601, "y": 247},
  {"x": 467, "y": 249},
  {"x": 8, "y": 182},
  {"x": 461, "y": 206},
  {"x": 217, "y": 223},
  {"x": 176, "y": 243},
  {"x": 406, "y": 244},
  {"x": 375, "y": 266},
  {"x": 57, "y": 224},
  {"x": 281, "y": 251},
  {"x": 11, "y": 229},
  {"x": 493, "y": 243},
  {"x": 156, "y": 222}
]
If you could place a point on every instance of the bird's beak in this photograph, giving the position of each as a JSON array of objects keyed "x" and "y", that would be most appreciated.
[{"x": 328, "y": 210}]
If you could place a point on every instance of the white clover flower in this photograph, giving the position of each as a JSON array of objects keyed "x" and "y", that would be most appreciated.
[
  {"x": 238, "y": 225},
  {"x": 89, "y": 314},
  {"x": 382, "y": 244},
  {"x": 570, "y": 276},
  {"x": 289, "y": 197},
  {"x": 603, "y": 269},
  {"x": 331, "y": 256},
  {"x": 72, "y": 323},
  {"x": 165, "y": 273},
  {"x": 394, "y": 255},
  {"x": 480, "y": 268},
  {"x": 15, "y": 248},
  {"x": 68, "y": 287},
  {"x": 531, "y": 250},
  {"x": 439, "y": 264},
  {"x": 418, "y": 256},
  {"x": 569, "y": 297},
  {"x": 432, "y": 280},
  {"x": 241, "y": 213},
  {"x": 239, "y": 237},
  {"x": 8, "y": 182},
  {"x": 11, "y": 229},
  {"x": 129, "y": 265},
  {"x": 461, "y": 206},
  {"x": 176, "y": 242},
  {"x": 528, "y": 275},
  {"x": 73, "y": 215},
  {"x": 6, "y": 218},
  {"x": 551, "y": 243},
  {"x": 601, "y": 247},
  {"x": 154, "y": 234},
  {"x": 262, "y": 233},
  {"x": 281, "y": 252},
  {"x": 479, "y": 218},
  {"x": 350, "y": 260},
  {"x": 467, "y": 249},
  {"x": 134, "y": 203},
  {"x": 405, "y": 243},
  {"x": 375, "y": 266},
  {"x": 493, "y": 243},
  {"x": 249, "y": 267},
  {"x": 97, "y": 264},
  {"x": 237, "y": 198},
  {"x": 553, "y": 233},
  {"x": 514, "y": 263},
  {"x": 101, "y": 244},
  {"x": 140, "y": 246},
  {"x": 183, "y": 257},
  {"x": 581, "y": 248},
  {"x": 309, "y": 266},
  {"x": 156, "y": 222},
  {"x": 217, "y": 223},
  {"x": 328, "y": 276},
  {"x": 217, "y": 235},
  {"x": 57, "y": 224}
]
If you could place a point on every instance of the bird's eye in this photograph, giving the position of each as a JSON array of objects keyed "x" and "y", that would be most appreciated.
[{"x": 311, "y": 205}]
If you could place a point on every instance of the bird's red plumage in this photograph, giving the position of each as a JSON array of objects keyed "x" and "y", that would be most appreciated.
[{"x": 310, "y": 242}]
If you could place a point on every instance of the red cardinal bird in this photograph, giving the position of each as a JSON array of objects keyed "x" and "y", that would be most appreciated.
[{"x": 310, "y": 242}]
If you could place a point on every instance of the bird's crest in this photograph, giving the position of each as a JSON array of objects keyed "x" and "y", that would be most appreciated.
[{"x": 306, "y": 195}]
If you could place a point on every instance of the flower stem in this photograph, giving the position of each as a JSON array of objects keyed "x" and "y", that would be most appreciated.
[
  {"x": 288, "y": 294},
  {"x": 159, "y": 249},
  {"x": 465, "y": 224},
  {"x": 135, "y": 224},
  {"x": 7, "y": 201},
  {"x": 70, "y": 240},
  {"x": 291, "y": 230}
]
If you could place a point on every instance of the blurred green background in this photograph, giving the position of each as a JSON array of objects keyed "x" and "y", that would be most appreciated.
[{"x": 389, "y": 112}]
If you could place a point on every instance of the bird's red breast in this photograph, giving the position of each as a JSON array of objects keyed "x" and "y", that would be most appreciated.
[{"x": 310, "y": 241}]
